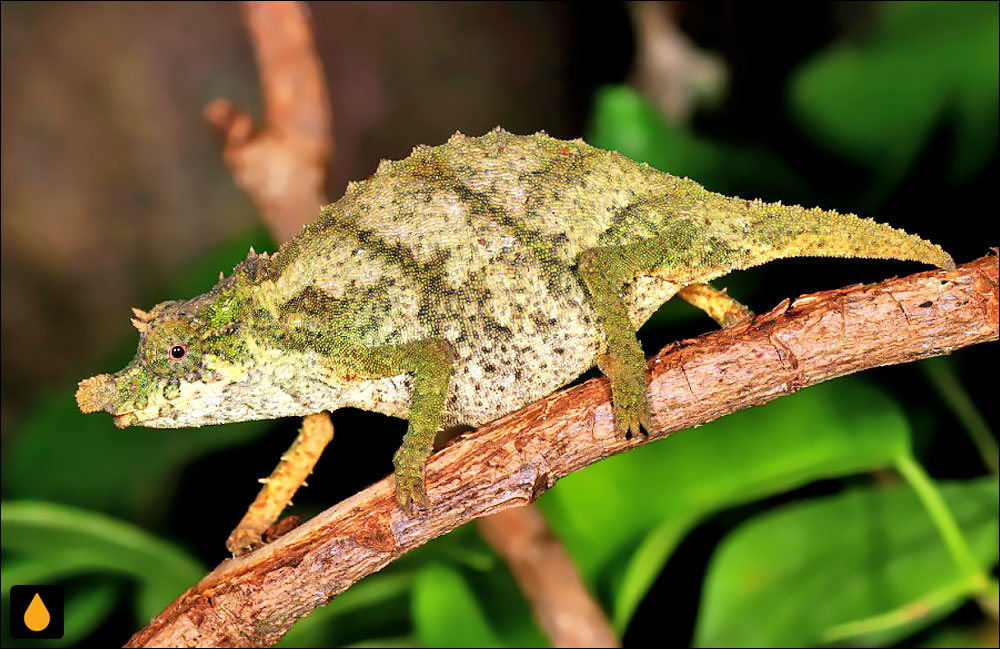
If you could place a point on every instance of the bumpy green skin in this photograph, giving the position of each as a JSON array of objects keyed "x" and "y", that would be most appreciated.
[{"x": 460, "y": 284}]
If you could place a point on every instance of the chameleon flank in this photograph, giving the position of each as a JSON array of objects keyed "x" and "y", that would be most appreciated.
[{"x": 460, "y": 284}]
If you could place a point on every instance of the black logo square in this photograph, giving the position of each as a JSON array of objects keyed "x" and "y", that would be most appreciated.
[{"x": 36, "y": 612}]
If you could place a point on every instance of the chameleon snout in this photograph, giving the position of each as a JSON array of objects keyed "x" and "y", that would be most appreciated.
[{"x": 99, "y": 393}]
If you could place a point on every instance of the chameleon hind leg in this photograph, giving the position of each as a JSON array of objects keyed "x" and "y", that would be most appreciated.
[
  {"x": 604, "y": 271},
  {"x": 717, "y": 304}
]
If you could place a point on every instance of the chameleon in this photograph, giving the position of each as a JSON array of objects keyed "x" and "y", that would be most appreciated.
[{"x": 460, "y": 284}]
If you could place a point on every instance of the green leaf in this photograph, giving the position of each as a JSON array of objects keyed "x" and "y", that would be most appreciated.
[
  {"x": 83, "y": 611},
  {"x": 878, "y": 100},
  {"x": 786, "y": 577},
  {"x": 447, "y": 613},
  {"x": 644, "y": 566},
  {"x": 623, "y": 121},
  {"x": 68, "y": 541},
  {"x": 640, "y": 504}
]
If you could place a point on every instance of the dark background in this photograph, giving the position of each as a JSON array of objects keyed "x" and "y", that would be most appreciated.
[{"x": 115, "y": 195}]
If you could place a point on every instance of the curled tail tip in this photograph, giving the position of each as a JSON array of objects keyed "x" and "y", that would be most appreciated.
[{"x": 940, "y": 258}]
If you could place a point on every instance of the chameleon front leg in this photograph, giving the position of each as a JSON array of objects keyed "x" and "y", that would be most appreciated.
[
  {"x": 430, "y": 362},
  {"x": 605, "y": 271}
]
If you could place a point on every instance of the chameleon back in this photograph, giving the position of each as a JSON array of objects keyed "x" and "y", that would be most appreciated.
[{"x": 476, "y": 242}]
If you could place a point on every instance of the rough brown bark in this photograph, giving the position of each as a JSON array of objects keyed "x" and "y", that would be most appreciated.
[{"x": 253, "y": 600}]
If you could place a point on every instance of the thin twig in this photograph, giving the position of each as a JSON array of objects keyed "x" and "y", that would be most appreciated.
[
  {"x": 669, "y": 69},
  {"x": 253, "y": 600},
  {"x": 544, "y": 571},
  {"x": 283, "y": 166}
]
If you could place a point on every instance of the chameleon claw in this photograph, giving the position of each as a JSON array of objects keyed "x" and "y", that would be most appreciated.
[
  {"x": 411, "y": 491},
  {"x": 411, "y": 495},
  {"x": 632, "y": 427},
  {"x": 631, "y": 408}
]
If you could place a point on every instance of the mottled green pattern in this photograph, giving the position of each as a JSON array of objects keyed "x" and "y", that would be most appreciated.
[{"x": 460, "y": 284}]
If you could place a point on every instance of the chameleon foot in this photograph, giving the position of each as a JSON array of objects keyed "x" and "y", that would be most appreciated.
[
  {"x": 628, "y": 396},
  {"x": 411, "y": 492},
  {"x": 243, "y": 540}
]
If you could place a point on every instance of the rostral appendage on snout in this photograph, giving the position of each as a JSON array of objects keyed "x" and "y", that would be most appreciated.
[
  {"x": 115, "y": 394},
  {"x": 93, "y": 394}
]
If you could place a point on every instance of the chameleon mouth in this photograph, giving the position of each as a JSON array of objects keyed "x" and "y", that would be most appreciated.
[
  {"x": 125, "y": 419},
  {"x": 136, "y": 416}
]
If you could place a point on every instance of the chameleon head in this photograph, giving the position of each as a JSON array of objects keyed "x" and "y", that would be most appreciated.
[{"x": 181, "y": 373}]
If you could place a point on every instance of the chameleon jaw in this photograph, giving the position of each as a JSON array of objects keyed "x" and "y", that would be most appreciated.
[
  {"x": 125, "y": 419},
  {"x": 139, "y": 416}
]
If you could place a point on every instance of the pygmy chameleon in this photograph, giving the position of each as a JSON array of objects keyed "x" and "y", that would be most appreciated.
[{"x": 460, "y": 284}]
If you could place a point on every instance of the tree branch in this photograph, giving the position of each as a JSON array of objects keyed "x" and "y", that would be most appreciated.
[
  {"x": 669, "y": 69},
  {"x": 282, "y": 167},
  {"x": 545, "y": 572},
  {"x": 253, "y": 600}
]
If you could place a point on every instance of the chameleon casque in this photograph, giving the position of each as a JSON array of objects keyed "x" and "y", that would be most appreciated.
[{"x": 459, "y": 285}]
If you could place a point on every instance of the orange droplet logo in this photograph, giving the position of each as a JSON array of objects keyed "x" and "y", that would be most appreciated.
[{"x": 36, "y": 616}]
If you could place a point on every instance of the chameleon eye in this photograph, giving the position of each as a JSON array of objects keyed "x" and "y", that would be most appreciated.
[{"x": 178, "y": 351}]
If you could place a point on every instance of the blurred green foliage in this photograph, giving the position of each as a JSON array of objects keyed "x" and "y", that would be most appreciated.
[
  {"x": 878, "y": 101},
  {"x": 854, "y": 549},
  {"x": 624, "y": 122},
  {"x": 622, "y": 546},
  {"x": 770, "y": 581},
  {"x": 56, "y": 541}
]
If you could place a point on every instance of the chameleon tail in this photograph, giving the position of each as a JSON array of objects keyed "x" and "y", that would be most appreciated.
[{"x": 793, "y": 231}]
